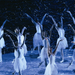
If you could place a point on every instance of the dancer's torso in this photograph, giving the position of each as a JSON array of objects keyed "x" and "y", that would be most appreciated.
[
  {"x": 1, "y": 32},
  {"x": 38, "y": 29},
  {"x": 20, "y": 38},
  {"x": 61, "y": 32}
]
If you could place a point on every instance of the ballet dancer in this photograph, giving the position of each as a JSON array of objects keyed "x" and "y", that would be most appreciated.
[
  {"x": 37, "y": 39},
  {"x": 73, "y": 56},
  {"x": 20, "y": 61},
  {"x": 20, "y": 37},
  {"x": 71, "y": 16},
  {"x": 51, "y": 68},
  {"x": 73, "y": 36},
  {"x": 44, "y": 55},
  {"x": 63, "y": 44},
  {"x": 2, "y": 42}
]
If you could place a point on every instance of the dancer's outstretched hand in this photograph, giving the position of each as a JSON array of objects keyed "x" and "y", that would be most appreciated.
[
  {"x": 25, "y": 28},
  {"x": 68, "y": 11},
  {"x": 69, "y": 24},
  {"x": 27, "y": 15}
]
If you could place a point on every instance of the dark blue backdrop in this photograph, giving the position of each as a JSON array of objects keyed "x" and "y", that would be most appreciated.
[{"x": 14, "y": 11}]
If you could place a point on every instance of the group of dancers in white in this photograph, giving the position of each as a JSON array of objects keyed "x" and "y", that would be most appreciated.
[{"x": 40, "y": 39}]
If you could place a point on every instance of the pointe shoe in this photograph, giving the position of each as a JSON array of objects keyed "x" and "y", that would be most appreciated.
[{"x": 61, "y": 61}]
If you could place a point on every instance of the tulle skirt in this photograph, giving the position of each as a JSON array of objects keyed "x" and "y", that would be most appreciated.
[
  {"x": 43, "y": 54},
  {"x": 0, "y": 55},
  {"x": 51, "y": 68},
  {"x": 37, "y": 40},
  {"x": 25, "y": 49},
  {"x": 20, "y": 64},
  {"x": 63, "y": 44},
  {"x": 2, "y": 43},
  {"x": 73, "y": 55},
  {"x": 54, "y": 69},
  {"x": 48, "y": 70}
]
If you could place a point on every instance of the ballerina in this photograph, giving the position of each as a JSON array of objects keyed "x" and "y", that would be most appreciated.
[
  {"x": 2, "y": 42},
  {"x": 51, "y": 68},
  {"x": 73, "y": 56},
  {"x": 71, "y": 16},
  {"x": 20, "y": 61},
  {"x": 20, "y": 37},
  {"x": 63, "y": 44},
  {"x": 43, "y": 55},
  {"x": 73, "y": 36},
  {"x": 37, "y": 39}
]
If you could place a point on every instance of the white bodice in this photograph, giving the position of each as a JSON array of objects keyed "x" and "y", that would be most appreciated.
[
  {"x": 20, "y": 38},
  {"x": 38, "y": 28},
  {"x": 52, "y": 59},
  {"x": 45, "y": 43},
  {"x": 61, "y": 32},
  {"x": 1, "y": 32}
]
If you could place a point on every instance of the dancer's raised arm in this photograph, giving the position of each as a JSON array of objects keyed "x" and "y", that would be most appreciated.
[
  {"x": 43, "y": 20},
  {"x": 71, "y": 16},
  {"x": 24, "y": 40},
  {"x": 23, "y": 30},
  {"x": 71, "y": 27},
  {"x": 11, "y": 32},
  {"x": 56, "y": 26},
  {"x": 11, "y": 40},
  {"x": 31, "y": 19},
  {"x": 56, "y": 47},
  {"x": 4, "y": 23},
  {"x": 61, "y": 21},
  {"x": 49, "y": 49}
]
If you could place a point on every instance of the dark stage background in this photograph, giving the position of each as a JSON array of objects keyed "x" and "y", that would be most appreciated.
[{"x": 14, "y": 11}]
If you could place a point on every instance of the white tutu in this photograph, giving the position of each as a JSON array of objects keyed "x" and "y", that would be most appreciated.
[
  {"x": 2, "y": 42},
  {"x": 73, "y": 55},
  {"x": 48, "y": 70},
  {"x": 43, "y": 54},
  {"x": 37, "y": 40},
  {"x": 0, "y": 55},
  {"x": 63, "y": 44},
  {"x": 19, "y": 62},
  {"x": 51, "y": 68},
  {"x": 25, "y": 49}
]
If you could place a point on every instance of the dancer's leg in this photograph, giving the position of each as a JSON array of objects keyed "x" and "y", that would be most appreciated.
[
  {"x": 13, "y": 73},
  {"x": 71, "y": 46},
  {"x": 62, "y": 55},
  {"x": 32, "y": 50},
  {"x": 40, "y": 63},
  {"x": 45, "y": 62},
  {"x": 39, "y": 49},
  {"x": 20, "y": 72}
]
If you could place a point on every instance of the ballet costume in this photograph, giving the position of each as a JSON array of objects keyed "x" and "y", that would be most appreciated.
[
  {"x": 51, "y": 68},
  {"x": 63, "y": 44},
  {"x": 2, "y": 43},
  {"x": 44, "y": 50},
  {"x": 20, "y": 38},
  {"x": 19, "y": 61},
  {"x": 37, "y": 39}
]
